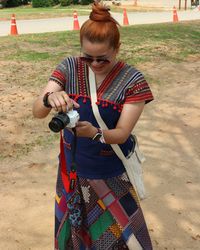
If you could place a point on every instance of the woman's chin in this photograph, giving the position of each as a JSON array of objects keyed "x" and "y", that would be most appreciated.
[
  {"x": 100, "y": 69},
  {"x": 97, "y": 69}
]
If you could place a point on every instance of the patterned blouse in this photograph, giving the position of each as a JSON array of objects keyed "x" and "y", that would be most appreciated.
[{"x": 124, "y": 84}]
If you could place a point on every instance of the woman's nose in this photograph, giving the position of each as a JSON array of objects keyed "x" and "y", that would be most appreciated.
[{"x": 95, "y": 62}]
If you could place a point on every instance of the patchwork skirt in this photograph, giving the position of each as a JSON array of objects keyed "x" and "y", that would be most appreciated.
[{"x": 99, "y": 215}]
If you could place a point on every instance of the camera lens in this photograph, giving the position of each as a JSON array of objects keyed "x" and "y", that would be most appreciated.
[
  {"x": 59, "y": 122},
  {"x": 55, "y": 125}
]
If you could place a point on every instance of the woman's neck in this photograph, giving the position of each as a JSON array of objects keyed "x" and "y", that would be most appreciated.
[{"x": 100, "y": 77}]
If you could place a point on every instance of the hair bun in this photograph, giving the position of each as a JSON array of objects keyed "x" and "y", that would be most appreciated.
[
  {"x": 100, "y": 13},
  {"x": 100, "y": 27}
]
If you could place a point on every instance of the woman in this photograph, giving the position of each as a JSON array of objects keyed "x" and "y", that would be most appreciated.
[{"x": 103, "y": 211}]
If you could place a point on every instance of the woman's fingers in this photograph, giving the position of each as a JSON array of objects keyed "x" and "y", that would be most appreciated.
[
  {"x": 58, "y": 103},
  {"x": 75, "y": 104},
  {"x": 85, "y": 129},
  {"x": 61, "y": 102}
]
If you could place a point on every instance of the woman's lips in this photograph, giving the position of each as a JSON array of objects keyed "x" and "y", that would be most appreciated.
[{"x": 98, "y": 68}]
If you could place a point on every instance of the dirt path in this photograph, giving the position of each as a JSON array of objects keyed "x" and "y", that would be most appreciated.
[{"x": 169, "y": 136}]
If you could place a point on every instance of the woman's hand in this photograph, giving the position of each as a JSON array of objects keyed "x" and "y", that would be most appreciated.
[
  {"x": 61, "y": 102},
  {"x": 85, "y": 129}
]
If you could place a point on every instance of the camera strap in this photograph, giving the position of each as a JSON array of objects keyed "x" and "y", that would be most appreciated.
[{"x": 69, "y": 179}]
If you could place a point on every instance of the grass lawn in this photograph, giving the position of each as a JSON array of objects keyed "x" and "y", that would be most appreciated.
[{"x": 140, "y": 44}]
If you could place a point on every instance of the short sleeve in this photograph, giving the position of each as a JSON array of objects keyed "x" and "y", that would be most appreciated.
[
  {"x": 138, "y": 91},
  {"x": 59, "y": 75}
]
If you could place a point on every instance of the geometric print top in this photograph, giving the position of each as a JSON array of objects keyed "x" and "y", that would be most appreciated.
[{"x": 124, "y": 84}]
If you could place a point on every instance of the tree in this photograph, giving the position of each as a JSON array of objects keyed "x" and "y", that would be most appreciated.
[
  {"x": 44, "y": 3},
  {"x": 14, "y": 3},
  {"x": 2, "y": 3},
  {"x": 86, "y": 2}
]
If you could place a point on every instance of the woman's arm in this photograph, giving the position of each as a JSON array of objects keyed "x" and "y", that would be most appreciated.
[
  {"x": 128, "y": 118},
  {"x": 59, "y": 100},
  {"x": 127, "y": 121}
]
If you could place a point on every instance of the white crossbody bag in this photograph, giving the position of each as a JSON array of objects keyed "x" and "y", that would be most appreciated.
[{"x": 133, "y": 164}]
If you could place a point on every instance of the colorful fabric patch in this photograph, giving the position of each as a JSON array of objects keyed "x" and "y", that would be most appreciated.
[
  {"x": 116, "y": 230},
  {"x": 101, "y": 225},
  {"x": 101, "y": 204},
  {"x": 94, "y": 214},
  {"x": 64, "y": 235},
  {"x": 59, "y": 214},
  {"x": 106, "y": 222},
  {"x": 108, "y": 199},
  {"x": 128, "y": 204}
]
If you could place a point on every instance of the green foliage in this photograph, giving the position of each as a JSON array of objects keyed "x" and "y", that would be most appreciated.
[
  {"x": 24, "y": 2},
  {"x": 14, "y": 3},
  {"x": 86, "y": 2},
  {"x": 2, "y": 3},
  {"x": 75, "y": 1},
  {"x": 48, "y": 3},
  {"x": 65, "y": 2},
  {"x": 55, "y": 2},
  {"x": 41, "y": 3}
]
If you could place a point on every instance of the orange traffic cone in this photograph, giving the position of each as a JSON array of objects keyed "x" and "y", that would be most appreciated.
[
  {"x": 175, "y": 16},
  {"x": 13, "y": 29},
  {"x": 76, "y": 23},
  {"x": 125, "y": 18}
]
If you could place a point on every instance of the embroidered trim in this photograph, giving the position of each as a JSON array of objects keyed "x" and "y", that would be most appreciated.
[
  {"x": 124, "y": 84},
  {"x": 102, "y": 102}
]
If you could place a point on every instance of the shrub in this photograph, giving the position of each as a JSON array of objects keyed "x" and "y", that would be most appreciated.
[
  {"x": 55, "y": 2},
  {"x": 2, "y": 3},
  {"x": 14, "y": 3},
  {"x": 24, "y": 2},
  {"x": 41, "y": 3},
  {"x": 75, "y": 1},
  {"x": 86, "y": 2},
  {"x": 65, "y": 2}
]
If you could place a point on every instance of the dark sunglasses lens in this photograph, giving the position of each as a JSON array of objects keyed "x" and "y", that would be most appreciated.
[
  {"x": 103, "y": 61},
  {"x": 91, "y": 60},
  {"x": 87, "y": 59}
]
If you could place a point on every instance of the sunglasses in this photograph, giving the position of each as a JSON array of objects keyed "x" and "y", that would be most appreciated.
[{"x": 90, "y": 60}]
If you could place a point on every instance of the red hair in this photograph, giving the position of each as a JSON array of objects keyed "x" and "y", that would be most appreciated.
[{"x": 101, "y": 27}]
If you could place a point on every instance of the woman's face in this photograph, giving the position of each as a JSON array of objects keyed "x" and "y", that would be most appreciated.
[{"x": 99, "y": 56}]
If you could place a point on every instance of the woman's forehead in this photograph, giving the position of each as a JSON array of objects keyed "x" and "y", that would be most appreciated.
[
  {"x": 95, "y": 46},
  {"x": 88, "y": 42}
]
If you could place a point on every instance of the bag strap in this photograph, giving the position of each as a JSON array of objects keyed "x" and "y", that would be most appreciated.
[
  {"x": 93, "y": 93},
  {"x": 115, "y": 147}
]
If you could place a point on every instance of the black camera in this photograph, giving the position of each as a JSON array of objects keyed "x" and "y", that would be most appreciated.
[{"x": 62, "y": 120}]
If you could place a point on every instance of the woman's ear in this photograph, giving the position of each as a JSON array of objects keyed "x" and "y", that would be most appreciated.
[{"x": 118, "y": 47}]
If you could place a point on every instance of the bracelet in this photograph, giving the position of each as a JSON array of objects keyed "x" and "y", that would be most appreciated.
[
  {"x": 102, "y": 139},
  {"x": 45, "y": 100},
  {"x": 99, "y": 136}
]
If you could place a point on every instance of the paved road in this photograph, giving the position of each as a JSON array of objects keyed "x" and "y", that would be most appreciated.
[{"x": 66, "y": 23}]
